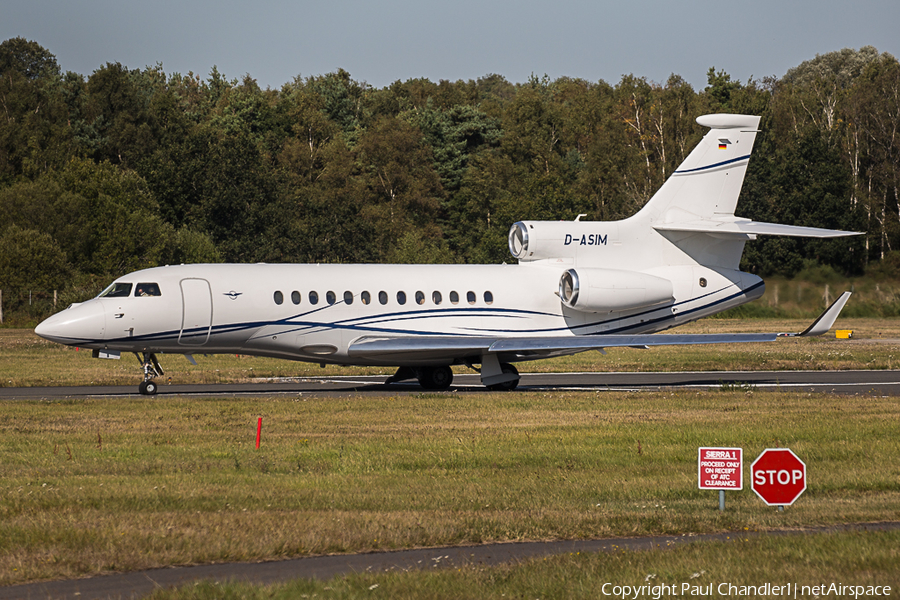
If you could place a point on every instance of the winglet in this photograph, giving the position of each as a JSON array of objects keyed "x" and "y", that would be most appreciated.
[{"x": 825, "y": 320}]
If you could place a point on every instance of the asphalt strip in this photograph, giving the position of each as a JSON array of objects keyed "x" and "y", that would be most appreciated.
[{"x": 141, "y": 583}]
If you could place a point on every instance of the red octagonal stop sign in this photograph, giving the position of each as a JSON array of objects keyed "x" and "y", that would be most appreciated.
[{"x": 778, "y": 476}]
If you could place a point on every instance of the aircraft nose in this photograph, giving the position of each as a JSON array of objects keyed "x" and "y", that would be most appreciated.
[{"x": 77, "y": 325}]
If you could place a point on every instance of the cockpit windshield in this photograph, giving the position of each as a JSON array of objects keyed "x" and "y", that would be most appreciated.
[
  {"x": 116, "y": 290},
  {"x": 147, "y": 289}
]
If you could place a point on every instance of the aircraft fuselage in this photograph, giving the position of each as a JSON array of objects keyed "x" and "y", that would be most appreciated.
[{"x": 316, "y": 312}]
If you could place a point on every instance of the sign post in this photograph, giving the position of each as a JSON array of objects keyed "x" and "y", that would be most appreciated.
[
  {"x": 720, "y": 469},
  {"x": 778, "y": 477}
]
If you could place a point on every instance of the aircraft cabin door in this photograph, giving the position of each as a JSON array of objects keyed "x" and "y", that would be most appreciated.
[{"x": 196, "y": 301}]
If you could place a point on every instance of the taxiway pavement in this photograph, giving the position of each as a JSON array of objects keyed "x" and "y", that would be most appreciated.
[{"x": 882, "y": 383}]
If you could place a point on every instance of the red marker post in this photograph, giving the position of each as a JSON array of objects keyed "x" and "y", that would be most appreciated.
[
  {"x": 258, "y": 431},
  {"x": 720, "y": 469}
]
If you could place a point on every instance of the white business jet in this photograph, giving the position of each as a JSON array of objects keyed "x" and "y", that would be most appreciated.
[{"x": 578, "y": 286}]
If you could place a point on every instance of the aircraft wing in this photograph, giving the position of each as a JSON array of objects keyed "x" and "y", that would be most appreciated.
[{"x": 423, "y": 348}]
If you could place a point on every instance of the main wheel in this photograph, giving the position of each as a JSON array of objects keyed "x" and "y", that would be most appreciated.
[
  {"x": 436, "y": 378},
  {"x": 507, "y": 386},
  {"x": 148, "y": 388}
]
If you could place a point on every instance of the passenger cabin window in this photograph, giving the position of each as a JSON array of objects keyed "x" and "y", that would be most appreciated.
[
  {"x": 313, "y": 297},
  {"x": 279, "y": 298},
  {"x": 454, "y": 298},
  {"x": 470, "y": 297},
  {"x": 382, "y": 297},
  {"x": 295, "y": 297},
  {"x": 488, "y": 298},
  {"x": 401, "y": 297},
  {"x": 348, "y": 298},
  {"x": 420, "y": 298},
  {"x": 330, "y": 298},
  {"x": 365, "y": 298},
  {"x": 147, "y": 289},
  {"x": 436, "y": 297},
  {"x": 116, "y": 290}
]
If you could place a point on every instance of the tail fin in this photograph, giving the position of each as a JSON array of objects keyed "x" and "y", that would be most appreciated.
[
  {"x": 707, "y": 184},
  {"x": 700, "y": 197}
]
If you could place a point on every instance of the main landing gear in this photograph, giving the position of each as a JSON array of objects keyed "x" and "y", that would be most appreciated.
[
  {"x": 152, "y": 369},
  {"x": 440, "y": 378},
  {"x": 511, "y": 384},
  {"x": 430, "y": 378}
]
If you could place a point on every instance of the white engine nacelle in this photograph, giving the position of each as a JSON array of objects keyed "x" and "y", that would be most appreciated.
[
  {"x": 608, "y": 290},
  {"x": 531, "y": 241}
]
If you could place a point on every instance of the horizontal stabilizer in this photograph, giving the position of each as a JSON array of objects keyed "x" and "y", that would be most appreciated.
[{"x": 742, "y": 227}]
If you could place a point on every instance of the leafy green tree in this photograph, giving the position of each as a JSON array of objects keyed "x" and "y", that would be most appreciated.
[
  {"x": 413, "y": 248},
  {"x": 29, "y": 59},
  {"x": 343, "y": 99},
  {"x": 130, "y": 168},
  {"x": 30, "y": 259},
  {"x": 873, "y": 111},
  {"x": 102, "y": 217},
  {"x": 301, "y": 158},
  {"x": 34, "y": 137},
  {"x": 722, "y": 95},
  {"x": 824, "y": 82},
  {"x": 805, "y": 184},
  {"x": 453, "y": 136},
  {"x": 532, "y": 127},
  {"x": 720, "y": 89},
  {"x": 215, "y": 183},
  {"x": 329, "y": 224},
  {"x": 117, "y": 227},
  {"x": 489, "y": 203},
  {"x": 494, "y": 92},
  {"x": 247, "y": 110},
  {"x": 116, "y": 108},
  {"x": 402, "y": 189}
]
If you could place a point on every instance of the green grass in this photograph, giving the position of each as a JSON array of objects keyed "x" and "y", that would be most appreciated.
[
  {"x": 808, "y": 297},
  {"x": 857, "y": 559},
  {"x": 100, "y": 485}
]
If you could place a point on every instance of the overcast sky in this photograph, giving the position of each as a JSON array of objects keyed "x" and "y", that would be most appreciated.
[{"x": 381, "y": 41}]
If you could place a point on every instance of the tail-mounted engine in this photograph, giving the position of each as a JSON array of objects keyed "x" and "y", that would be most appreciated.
[
  {"x": 531, "y": 241},
  {"x": 608, "y": 290}
]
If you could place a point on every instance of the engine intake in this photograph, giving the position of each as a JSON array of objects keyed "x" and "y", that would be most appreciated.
[{"x": 608, "y": 290}]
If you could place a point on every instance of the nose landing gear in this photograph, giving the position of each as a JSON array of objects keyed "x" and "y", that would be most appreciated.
[{"x": 152, "y": 369}]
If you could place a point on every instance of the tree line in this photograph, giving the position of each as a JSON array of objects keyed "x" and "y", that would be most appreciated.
[{"x": 132, "y": 168}]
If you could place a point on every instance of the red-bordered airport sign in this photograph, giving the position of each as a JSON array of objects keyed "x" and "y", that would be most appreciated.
[
  {"x": 778, "y": 477},
  {"x": 720, "y": 468}
]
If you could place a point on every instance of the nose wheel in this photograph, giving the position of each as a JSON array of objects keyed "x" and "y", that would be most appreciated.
[
  {"x": 148, "y": 388},
  {"x": 152, "y": 369}
]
